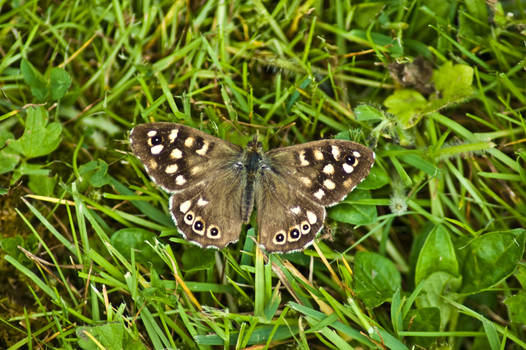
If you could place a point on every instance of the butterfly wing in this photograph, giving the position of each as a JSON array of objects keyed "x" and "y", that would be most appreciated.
[
  {"x": 200, "y": 170},
  {"x": 298, "y": 182}
]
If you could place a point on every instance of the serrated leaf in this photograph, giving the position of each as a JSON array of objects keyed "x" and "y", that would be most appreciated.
[
  {"x": 516, "y": 308},
  {"x": 367, "y": 112},
  {"x": 39, "y": 138},
  {"x": 376, "y": 278},
  {"x": 454, "y": 81},
  {"x": 407, "y": 105},
  {"x": 95, "y": 173},
  {"x": 8, "y": 161}
]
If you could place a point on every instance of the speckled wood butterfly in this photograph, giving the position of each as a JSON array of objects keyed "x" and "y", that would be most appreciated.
[{"x": 215, "y": 184}]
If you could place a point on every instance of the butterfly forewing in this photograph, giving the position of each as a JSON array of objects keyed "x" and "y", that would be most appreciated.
[{"x": 177, "y": 156}]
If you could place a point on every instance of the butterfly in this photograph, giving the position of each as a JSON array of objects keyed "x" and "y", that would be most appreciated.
[{"x": 215, "y": 184}]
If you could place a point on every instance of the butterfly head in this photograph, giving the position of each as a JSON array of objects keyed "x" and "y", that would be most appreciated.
[{"x": 254, "y": 145}]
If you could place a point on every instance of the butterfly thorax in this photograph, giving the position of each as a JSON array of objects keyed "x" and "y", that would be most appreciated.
[{"x": 252, "y": 163}]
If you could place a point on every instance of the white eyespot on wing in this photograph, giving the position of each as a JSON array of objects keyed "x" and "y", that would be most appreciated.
[
  {"x": 189, "y": 141},
  {"x": 185, "y": 206},
  {"x": 305, "y": 227},
  {"x": 189, "y": 218},
  {"x": 202, "y": 202},
  {"x": 151, "y": 133},
  {"x": 356, "y": 154},
  {"x": 180, "y": 180},
  {"x": 311, "y": 217},
  {"x": 170, "y": 169},
  {"x": 319, "y": 194},
  {"x": 213, "y": 232},
  {"x": 173, "y": 135},
  {"x": 318, "y": 155},
  {"x": 348, "y": 168},
  {"x": 328, "y": 184},
  {"x": 198, "y": 226},
  {"x": 295, "y": 210},
  {"x": 156, "y": 149},
  {"x": 306, "y": 181},
  {"x": 202, "y": 151},
  {"x": 303, "y": 161},
  {"x": 328, "y": 169},
  {"x": 335, "y": 150},
  {"x": 176, "y": 154},
  {"x": 280, "y": 238}
]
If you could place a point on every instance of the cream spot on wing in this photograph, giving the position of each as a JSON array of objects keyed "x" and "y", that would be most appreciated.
[
  {"x": 156, "y": 149},
  {"x": 329, "y": 184},
  {"x": 305, "y": 227},
  {"x": 153, "y": 164},
  {"x": 180, "y": 180},
  {"x": 173, "y": 135},
  {"x": 328, "y": 169},
  {"x": 306, "y": 181},
  {"x": 295, "y": 210},
  {"x": 151, "y": 133},
  {"x": 318, "y": 155},
  {"x": 189, "y": 141},
  {"x": 347, "y": 183},
  {"x": 196, "y": 169},
  {"x": 356, "y": 154},
  {"x": 176, "y": 154},
  {"x": 335, "y": 150},
  {"x": 303, "y": 161},
  {"x": 319, "y": 194},
  {"x": 311, "y": 217},
  {"x": 172, "y": 168},
  {"x": 348, "y": 168},
  {"x": 201, "y": 202},
  {"x": 185, "y": 206},
  {"x": 202, "y": 151},
  {"x": 189, "y": 218}
]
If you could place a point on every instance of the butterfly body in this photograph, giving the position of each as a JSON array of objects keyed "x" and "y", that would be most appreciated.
[{"x": 215, "y": 185}]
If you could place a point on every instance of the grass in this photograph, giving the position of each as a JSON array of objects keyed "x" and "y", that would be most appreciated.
[{"x": 428, "y": 252}]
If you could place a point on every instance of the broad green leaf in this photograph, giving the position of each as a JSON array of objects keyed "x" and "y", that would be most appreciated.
[
  {"x": 376, "y": 278},
  {"x": 367, "y": 112},
  {"x": 8, "y": 161},
  {"x": 39, "y": 138},
  {"x": 95, "y": 173},
  {"x": 426, "y": 319},
  {"x": 407, "y": 105},
  {"x": 59, "y": 83},
  {"x": 376, "y": 179},
  {"x": 42, "y": 184},
  {"x": 135, "y": 238},
  {"x": 109, "y": 336},
  {"x": 196, "y": 259},
  {"x": 356, "y": 214},
  {"x": 435, "y": 286},
  {"x": 516, "y": 308},
  {"x": 491, "y": 258},
  {"x": 454, "y": 81},
  {"x": 34, "y": 79},
  {"x": 437, "y": 254}
]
